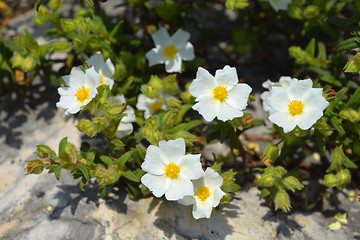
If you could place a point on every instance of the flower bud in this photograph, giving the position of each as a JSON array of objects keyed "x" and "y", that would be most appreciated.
[
  {"x": 282, "y": 200},
  {"x": 343, "y": 178},
  {"x": 68, "y": 25},
  {"x": 330, "y": 180},
  {"x": 311, "y": 11},
  {"x": 55, "y": 4},
  {"x": 28, "y": 64},
  {"x": 350, "y": 114},
  {"x": 170, "y": 117},
  {"x": 291, "y": 183},
  {"x": 34, "y": 167},
  {"x": 267, "y": 180}
]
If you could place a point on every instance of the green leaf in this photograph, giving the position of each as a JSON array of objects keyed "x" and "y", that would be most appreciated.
[
  {"x": 354, "y": 99},
  {"x": 236, "y": 5},
  {"x": 82, "y": 167},
  {"x": 349, "y": 44},
  {"x": 310, "y": 48},
  {"x": 131, "y": 176},
  {"x": 105, "y": 159},
  {"x": 62, "y": 154},
  {"x": 336, "y": 123},
  {"x": 38, "y": 4},
  {"x": 349, "y": 164},
  {"x": 91, "y": 3},
  {"x": 57, "y": 171},
  {"x": 338, "y": 98},
  {"x": 264, "y": 192},
  {"x": 121, "y": 161}
]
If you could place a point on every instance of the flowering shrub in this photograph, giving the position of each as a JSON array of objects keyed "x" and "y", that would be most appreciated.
[{"x": 154, "y": 139}]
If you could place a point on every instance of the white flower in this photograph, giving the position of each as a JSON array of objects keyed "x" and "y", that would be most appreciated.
[
  {"x": 279, "y": 4},
  {"x": 207, "y": 194},
  {"x": 283, "y": 82},
  {"x": 81, "y": 89},
  {"x": 125, "y": 126},
  {"x": 149, "y": 105},
  {"x": 170, "y": 171},
  {"x": 297, "y": 105},
  {"x": 170, "y": 50},
  {"x": 220, "y": 96},
  {"x": 105, "y": 69}
]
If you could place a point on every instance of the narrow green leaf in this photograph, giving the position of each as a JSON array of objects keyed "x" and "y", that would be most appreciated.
[
  {"x": 349, "y": 44},
  {"x": 82, "y": 167},
  {"x": 264, "y": 192},
  {"x": 338, "y": 98},
  {"x": 354, "y": 99},
  {"x": 38, "y": 4},
  {"x": 91, "y": 3},
  {"x": 57, "y": 171},
  {"x": 336, "y": 123},
  {"x": 131, "y": 176},
  {"x": 349, "y": 164},
  {"x": 121, "y": 161},
  {"x": 105, "y": 159}
]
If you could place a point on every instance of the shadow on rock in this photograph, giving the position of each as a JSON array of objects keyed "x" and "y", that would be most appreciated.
[
  {"x": 176, "y": 219},
  {"x": 286, "y": 226},
  {"x": 70, "y": 196}
]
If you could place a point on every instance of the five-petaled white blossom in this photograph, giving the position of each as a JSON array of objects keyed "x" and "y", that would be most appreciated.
[
  {"x": 279, "y": 4},
  {"x": 105, "y": 69},
  {"x": 80, "y": 91},
  {"x": 125, "y": 126},
  {"x": 170, "y": 50},
  {"x": 150, "y": 106},
  {"x": 170, "y": 171},
  {"x": 297, "y": 105},
  {"x": 283, "y": 82},
  {"x": 207, "y": 194},
  {"x": 220, "y": 96}
]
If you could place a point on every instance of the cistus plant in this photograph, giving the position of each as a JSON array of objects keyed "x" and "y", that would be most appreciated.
[{"x": 154, "y": 139}]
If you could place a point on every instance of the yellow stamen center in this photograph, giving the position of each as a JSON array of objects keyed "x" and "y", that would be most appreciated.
[
  {"x": 203, "y": 193},
  {"x": 102, "y": 79},
  {"x": 172, "y": 170},
  {"x": 296, "y": 107},
  {"x": 170, "y": 51},
  {"x": 220, "y": 93},
  {"x": 82, "y": 94},
  {"x": 156, "y": 106}
]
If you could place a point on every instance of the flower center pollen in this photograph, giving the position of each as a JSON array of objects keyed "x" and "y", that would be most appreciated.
[
  {"x": 220, "y": 93},
  {"x": 102, "y": 79},
  {"x": 170, "y": 51},
  {"x": 203, "y": 193},
  {"x": 82, "y": 94},
  {"x": 156, "y": 106},
  {"x": 296, "y": 107},
  {"x": 172, "y": 170}
]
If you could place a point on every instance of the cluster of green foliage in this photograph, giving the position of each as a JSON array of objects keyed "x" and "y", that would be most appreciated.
[{"x": 319, "y": 51}]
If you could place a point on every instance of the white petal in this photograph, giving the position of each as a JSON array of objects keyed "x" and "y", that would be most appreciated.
[
  {"x": 283, "y": 120},
  {"x": 191, "y": 166},
  {"x": 153, "y": 163},
  {"x": 107, "y": 69},
  {"x": 73, "y": 109},
  {"x": 212, "y": 179},
  {"x": 187, "y": 200},
  {"x": 267, "y": 84},
  {"x": 179, "y": 188},
  {"x": 172, "y": 150},
  {"x": 173, "y": 64},
  {"x": 186, "y": 52},
  {"x": 315, "y": 99},
  {"x": 109, "y": 82},
  {"x": 179, "y": 38},
  {"x": 309, "y": 117},
  {"x": 67, "y": 101},
  {"x": 118, "y": 99},
  {"x": 161, "y": 37},
  {"x": 227, "y": 77},
  {"x": 157, "y": 184},
  {"x": 66, "y": 79},
  {"x": 285, "y": 81},
  {"x": 238, "y": 96},
  {"x": 204, "y": 83},
  {"x": 206, "y": 108},
  {"x": 96, "y": 61},
  {"x": 279, "y": 100},
  {"x": 130, "y": 115},
  {"x": 124, "y": 129},
  {"x": 298, "y": 89},
  {"x": 76, "y": 78},
  {"x": 226, "y": 112},
  {"x": 155, "y": 56},
  {"x": 216, "y": 195},
  {"x": 202, "y": 210},
  {"x": 93, "y": 78}
]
